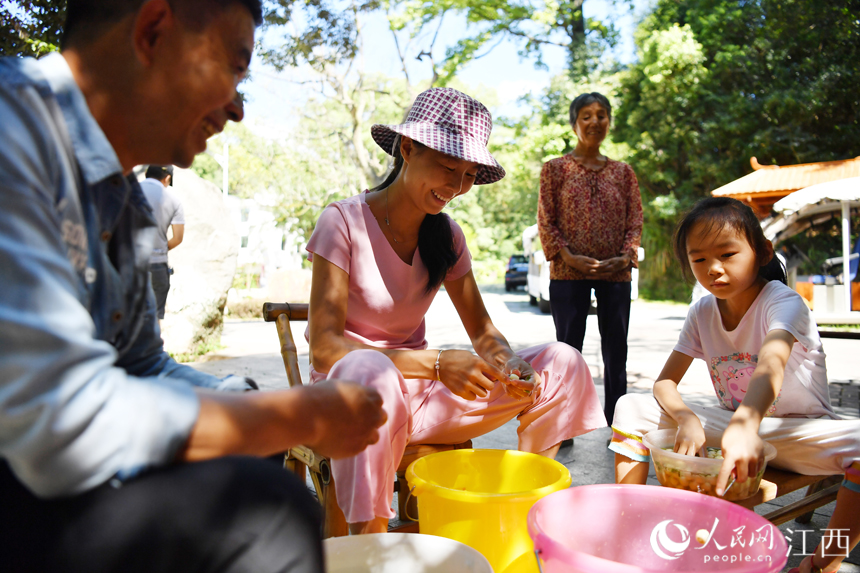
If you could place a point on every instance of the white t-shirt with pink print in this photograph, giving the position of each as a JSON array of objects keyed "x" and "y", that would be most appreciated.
[{"x": 733, "y": 355}]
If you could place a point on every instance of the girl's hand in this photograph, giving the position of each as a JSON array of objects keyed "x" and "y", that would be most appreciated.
[
  {"x": 690, "y": 437},
  {"x": 525, "y": 380},
  {"x": 468, "y": 376},
  {"x": 743, "y": 454}
]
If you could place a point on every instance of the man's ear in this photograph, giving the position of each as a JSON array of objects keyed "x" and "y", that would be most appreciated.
[{"x": 154, "y": 19}]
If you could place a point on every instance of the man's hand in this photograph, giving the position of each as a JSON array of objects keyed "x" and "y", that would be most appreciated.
[
  {"x": 338, "y": 419},
  {"x": 346, "y": 417}
]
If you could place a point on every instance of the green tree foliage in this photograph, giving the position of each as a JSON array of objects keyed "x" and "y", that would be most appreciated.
[
  {"x": 322, "y": 33},
  {"x": 316, "y": 32},
  {"x": 31, "y": 27},
  {"x": 300, "y": 173},
  {"x": 720, "y": 81}
]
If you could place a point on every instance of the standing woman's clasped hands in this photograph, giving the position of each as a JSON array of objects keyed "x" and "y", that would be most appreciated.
[
  {"x": 592, "y": 267},
  {"x": 613, "y": 265}
]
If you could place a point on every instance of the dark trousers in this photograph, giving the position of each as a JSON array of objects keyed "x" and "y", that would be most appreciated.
[
  {"x": 159, "y": 275},
  {"x": 237, "y": 514},
  {"x": 570, "y": 301}
]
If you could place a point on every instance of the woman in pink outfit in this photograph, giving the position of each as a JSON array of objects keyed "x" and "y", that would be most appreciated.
[{"x": 378, "y": 260}]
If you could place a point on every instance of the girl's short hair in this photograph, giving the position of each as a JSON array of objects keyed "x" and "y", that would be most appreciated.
[
  {"x": 717, "y": 213},
  {"x": 583, "y": 100}
]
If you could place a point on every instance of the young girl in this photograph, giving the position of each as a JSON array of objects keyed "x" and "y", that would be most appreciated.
[
  {"x": 379, "y": 259},
  {"x": 767, "y": 367}
]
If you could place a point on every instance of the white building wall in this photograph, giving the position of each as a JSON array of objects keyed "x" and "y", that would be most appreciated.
[{"x": 264, "y": 245}]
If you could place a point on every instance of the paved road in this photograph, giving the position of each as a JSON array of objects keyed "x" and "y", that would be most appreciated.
[{"x": 251, "y": 348}]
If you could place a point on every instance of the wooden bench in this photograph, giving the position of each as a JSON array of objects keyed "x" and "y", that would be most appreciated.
[{"x": 775, "y": 483}]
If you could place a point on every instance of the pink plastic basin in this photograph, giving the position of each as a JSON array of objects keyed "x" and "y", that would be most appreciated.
[{"x": 644, "y": 529}]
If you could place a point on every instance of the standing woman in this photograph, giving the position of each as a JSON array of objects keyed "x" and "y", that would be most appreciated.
[
  {"x": 590, "y": 222},
  {"x": 378, "y": 260}
]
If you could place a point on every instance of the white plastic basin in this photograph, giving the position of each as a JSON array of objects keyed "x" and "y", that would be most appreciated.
[{"x": 401, "y": 553}]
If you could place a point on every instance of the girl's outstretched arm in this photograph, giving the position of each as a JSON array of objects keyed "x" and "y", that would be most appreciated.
[
  {"x": 742, "y": 448},
  {"x": 691, "y": 435},
  {"x": 666, "y": 393}
]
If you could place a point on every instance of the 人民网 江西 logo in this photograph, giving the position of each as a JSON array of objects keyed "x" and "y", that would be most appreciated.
[{"x": 663, "y": 545}]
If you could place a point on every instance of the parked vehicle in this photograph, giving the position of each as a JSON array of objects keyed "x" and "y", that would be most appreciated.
[
  {"x": 515, "y": 274},
  {"x": 537, "y": 281}
]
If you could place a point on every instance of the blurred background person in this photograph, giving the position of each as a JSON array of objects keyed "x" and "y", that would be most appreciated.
[
  {"x": 590, "y": 223},
  {"x": 169, "y": 215}
]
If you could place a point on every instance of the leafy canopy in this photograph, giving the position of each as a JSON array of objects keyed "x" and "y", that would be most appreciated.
[{"x": 31, "y": 27}]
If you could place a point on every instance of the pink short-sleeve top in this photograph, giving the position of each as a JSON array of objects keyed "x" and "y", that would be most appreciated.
[{"x": 387, "y": 298}]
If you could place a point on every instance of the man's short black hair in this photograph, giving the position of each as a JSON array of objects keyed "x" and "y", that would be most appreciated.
[
  {"x": 87, "y": 19},
  {"x": 159, "y": 172}
]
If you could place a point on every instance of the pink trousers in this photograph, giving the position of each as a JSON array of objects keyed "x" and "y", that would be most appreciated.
[{"x": 426, "y": 412}]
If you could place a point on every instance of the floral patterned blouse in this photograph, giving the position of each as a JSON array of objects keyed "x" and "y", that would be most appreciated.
[{"x": 593, "y": 213}]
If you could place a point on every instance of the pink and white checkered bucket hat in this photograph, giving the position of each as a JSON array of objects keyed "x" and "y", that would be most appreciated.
[{"x": 451, "y": 122}]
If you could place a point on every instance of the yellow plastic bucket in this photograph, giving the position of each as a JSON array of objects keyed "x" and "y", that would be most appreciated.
[{"x": 482, "y": 498}]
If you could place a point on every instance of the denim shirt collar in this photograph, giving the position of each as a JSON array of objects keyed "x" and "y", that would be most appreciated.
[{"x": 95, "y": 155}]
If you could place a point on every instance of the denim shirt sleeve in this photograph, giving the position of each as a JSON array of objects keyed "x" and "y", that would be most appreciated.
[
  {"x": 147, "y": 358},
  {"x": 70, "y": 417}
]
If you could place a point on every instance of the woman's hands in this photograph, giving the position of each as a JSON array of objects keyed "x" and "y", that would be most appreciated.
[
  {"x": 585, "y": 265},
  {"x": 593, "y": 267},
  {"x": 613, "y": 265},
  {"x": 526, "y": 381},
  {"x": 469, "y": 376},
  {"x": 690, "y": 437},
  {"x": 466, "y": 375},
  {"x": 743, "y": 452}
]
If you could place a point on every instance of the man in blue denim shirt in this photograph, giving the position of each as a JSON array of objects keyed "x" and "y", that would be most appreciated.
[{"x": 96, "y": 421}]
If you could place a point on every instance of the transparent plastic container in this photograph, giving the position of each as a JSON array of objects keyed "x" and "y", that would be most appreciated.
[{"x": 694, "y": 473}]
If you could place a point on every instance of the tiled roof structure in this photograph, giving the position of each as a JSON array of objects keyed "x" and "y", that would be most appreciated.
[{"x": 767, "y": 184}]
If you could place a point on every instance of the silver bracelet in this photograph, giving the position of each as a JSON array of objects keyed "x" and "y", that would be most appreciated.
[{"x": 438, "y": 356}]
